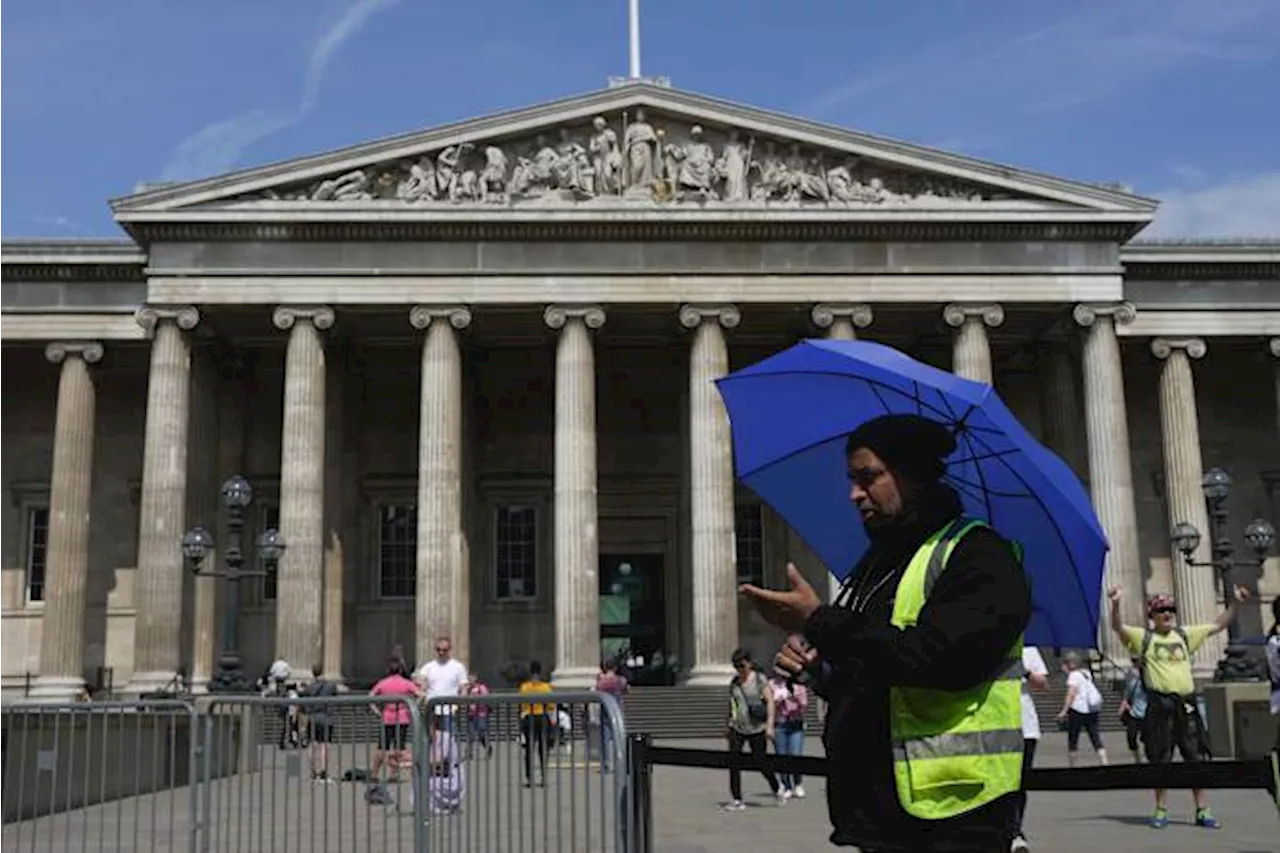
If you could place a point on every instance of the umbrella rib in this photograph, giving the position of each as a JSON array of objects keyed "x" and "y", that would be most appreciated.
[{"x": 1053, "y": 522}]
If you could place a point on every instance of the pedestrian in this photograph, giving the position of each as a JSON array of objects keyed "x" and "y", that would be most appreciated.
[
  {"x": 396, "y": 720},
  {"x": 750, "y": 723},
  {"x": 609, "y": 681},
  {"x": 1081, "y": 709},
  {"x": 1172, "y": 720},
  {"x": 320, "y": 723},
  {"x": 1133, "y": 709},
  {"x": 919, "y": 655},
  {"x": 1273, "y": 665},
  {"x": 442, "y": 679},
  {"x": 477, "y": 714},
  {"x": 1035, "y": 677},
  {"x": 535, "y": 720},
  {"x": 791, "y": 701}
]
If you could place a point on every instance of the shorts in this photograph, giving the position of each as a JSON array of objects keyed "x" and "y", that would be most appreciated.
[
  {"x": 1168, "y": 725},
  {"x": 1087, "y": 723},
  {"x": 321, "y": 732},
  {"x": 395, "y": 736}
]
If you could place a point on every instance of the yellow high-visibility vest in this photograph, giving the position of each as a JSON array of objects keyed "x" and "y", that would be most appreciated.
[{"x": 953, "y": 751}]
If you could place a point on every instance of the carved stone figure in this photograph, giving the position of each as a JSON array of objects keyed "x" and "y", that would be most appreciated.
[
  {"x": 420, "y": 183},
  {"x": 352, "y": 186},
  {"x": 493, "y": 179},
  {"x": 606, "y": 158},
  {"x": 733, "y": 167},
  {"x": 640, "y": 142},
  {"x": 573, "y": 168},
  {"x": 801, "y": 179},
  {"x": 693, "y": 167},
  {"x": 774, "y": 181},
  {"x": 452, "y": 176}
]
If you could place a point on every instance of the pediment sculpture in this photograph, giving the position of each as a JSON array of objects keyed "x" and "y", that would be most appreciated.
[{"x": 634, "y": 158}]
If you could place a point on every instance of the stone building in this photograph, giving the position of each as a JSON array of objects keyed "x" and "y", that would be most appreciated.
[{"x": 468, "y": 374}]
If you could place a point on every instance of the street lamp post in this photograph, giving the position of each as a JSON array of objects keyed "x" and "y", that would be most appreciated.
[
  {"x": 237, "y": 495},
  {"x": 1241, "y": 662}
]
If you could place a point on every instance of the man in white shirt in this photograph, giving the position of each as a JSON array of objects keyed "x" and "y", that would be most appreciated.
[
  {"x": 1035, "y": 677},
  {"x": 443, "y": 678}
]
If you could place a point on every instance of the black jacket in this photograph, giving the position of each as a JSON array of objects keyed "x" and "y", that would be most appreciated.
[{"x": 977, "y": 609}]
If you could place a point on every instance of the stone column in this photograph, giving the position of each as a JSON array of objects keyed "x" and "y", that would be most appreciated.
[
  {"x": 161, "y": 574},
  {"x": 442, "y": 599},
  {"x": 71, "y": 488},
  {"x": 971, "y": 351},
  {"x": 203, "y": 502},
  {"x": 1060, "y": 406},
  {"x": 337, "y": 493},
  {"x": 715, "y": 594},
  {"x": 1110, "y": 468},
  {"x": 1194, "y": 586},
  {"x": 300, "y": 584},
  {"x": 577, "y": 546},
  {"x": 841, "y": 322}
]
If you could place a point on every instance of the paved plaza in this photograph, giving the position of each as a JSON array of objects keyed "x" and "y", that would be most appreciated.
[{"x": 280, "y": 809}]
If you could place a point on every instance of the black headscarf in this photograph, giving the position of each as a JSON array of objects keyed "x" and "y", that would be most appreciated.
[{"x": 913, "y": 446}]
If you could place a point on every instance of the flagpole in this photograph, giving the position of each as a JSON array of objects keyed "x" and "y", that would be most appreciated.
[{"x": 634, "y": 28}]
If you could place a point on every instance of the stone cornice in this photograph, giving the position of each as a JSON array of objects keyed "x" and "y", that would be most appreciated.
[{"x": 801, "y": 226}]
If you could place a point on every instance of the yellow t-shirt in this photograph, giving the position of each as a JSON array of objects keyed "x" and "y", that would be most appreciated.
[
  {"x": 1168, "y": 660},
  {"x": 537, "y": 707}
]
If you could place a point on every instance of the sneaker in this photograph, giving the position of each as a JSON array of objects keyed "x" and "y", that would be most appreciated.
[
  {"x": 1019, "y": 845},
  {"x": 735, "y": 806},
  {"x": 798, "y": 792},
  {"x": 1160, "y": 819},
  {"x": 783, "y": 795},
  {"x": 1206, "y": 819}
]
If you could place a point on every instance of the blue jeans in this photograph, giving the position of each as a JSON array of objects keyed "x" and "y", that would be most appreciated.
[{"x": 789, "y": 740}]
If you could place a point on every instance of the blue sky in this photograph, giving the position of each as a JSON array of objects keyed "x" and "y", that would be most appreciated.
[{"x": 1176, "y": 98}]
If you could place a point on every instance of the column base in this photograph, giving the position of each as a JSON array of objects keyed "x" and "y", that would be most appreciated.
[
  {"x": 710, "y": 675},
  {"x": 56, "y": 688},
  {"x": 574, "y": 677},
  {"x": 144, "y": 683},
  {"x": 199, "y": 686}
]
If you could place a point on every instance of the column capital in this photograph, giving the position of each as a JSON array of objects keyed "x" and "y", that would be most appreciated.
[
  {"x": 824, "y": 314},
  {"x": 955, "y": 314},
  {"x": 1162, "y": 348},
  {"x": 421, "y": 316},
  {"x": 1121, "y": 313},
  {"x": 149, "y": 316},
  {"x": 286, "y": 316},
  {"x": 1275, "y": 347},
  {"x": 88, "y": 351},
  {"x": 556, "y": 316},
  {"x": 692, "y": 316}
]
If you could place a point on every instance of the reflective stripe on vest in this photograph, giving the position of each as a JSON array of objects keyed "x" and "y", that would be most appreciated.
[{"x": 953, "y": 751}]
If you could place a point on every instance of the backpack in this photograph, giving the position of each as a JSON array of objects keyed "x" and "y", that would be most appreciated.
[{"x": 1090, "y": 693}]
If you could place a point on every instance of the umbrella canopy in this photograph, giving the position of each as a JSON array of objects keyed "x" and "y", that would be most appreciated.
[{"x": 791, "y": 414}]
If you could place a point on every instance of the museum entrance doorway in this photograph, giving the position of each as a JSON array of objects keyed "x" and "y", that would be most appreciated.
[{"x": 633, "y": 617}]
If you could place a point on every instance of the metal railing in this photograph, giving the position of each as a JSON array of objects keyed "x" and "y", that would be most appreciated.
[{"x": 499, "y": 772}]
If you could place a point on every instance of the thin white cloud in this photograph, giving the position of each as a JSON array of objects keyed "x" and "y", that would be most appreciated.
[
  {"x": 1100, "y": 49},
  {"x": 217, "y": 146},
  {"x": 1240, "y": 208}
]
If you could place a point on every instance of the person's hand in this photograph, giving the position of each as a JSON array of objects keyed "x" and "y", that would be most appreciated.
[
  {"x": 768, "y": 732},
  {"x": 785, "y": 609},
  {"x": 1062, "y": 715},
  {"x": 1115, "y": 594},
  {"x": 1240, "y": 594},
  {"x": 794, "y": 657}
]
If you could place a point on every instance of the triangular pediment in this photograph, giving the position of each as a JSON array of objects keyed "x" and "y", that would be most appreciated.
[{"x": 634, "y": 147}]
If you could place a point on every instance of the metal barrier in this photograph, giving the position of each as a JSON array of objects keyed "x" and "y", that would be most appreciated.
[
  {"x": 537, "y": 773},
  {"x": 170, "y": 776},
  {"x": 99, "y": 776},
  {"x": 1262, "y": 774}
]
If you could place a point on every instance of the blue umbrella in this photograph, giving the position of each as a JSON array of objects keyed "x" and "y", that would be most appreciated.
[{"x": 791, "y": 414}]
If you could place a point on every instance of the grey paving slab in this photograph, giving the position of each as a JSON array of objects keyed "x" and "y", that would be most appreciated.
[{"x": 279, "y": 809}]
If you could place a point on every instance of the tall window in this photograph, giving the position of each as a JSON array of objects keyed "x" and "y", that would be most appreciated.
[
  {"x": 270, "y": 518},
  {"x": 748, "y": 531},
  {"x": 397, "y": 551},
  {"x": 37, "y": 551},
  {"x": 516, "y": 551}
]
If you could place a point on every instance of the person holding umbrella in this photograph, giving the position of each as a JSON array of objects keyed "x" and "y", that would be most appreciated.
[{"x": 919, "y": 657}]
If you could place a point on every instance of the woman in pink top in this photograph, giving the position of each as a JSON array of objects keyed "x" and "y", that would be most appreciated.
[
  {"x": 791, "y": 700},
  {"x": 395, "y": 718}
]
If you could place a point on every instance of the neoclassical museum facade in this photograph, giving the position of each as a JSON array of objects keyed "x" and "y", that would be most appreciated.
[{"x": 468, "y": 373}]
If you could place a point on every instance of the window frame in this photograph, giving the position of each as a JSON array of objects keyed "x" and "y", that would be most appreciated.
[
  {"x": 27, "y": 506},
  {"x": 264, "y": 507},
  {"x": 378, "y": 506},
  {"x": 751, "y": 503},
  {"x": 539, "y": 542},
  {"x": 494, "y": 494}
]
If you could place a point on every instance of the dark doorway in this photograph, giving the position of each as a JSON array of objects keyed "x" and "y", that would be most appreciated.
[{"x": 633, "y": 619}]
